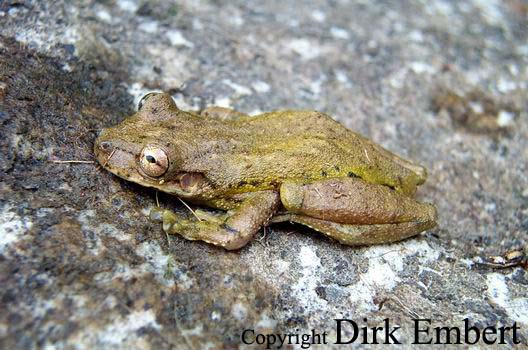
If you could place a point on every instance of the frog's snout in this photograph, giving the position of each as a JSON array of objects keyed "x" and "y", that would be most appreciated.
[
  {"x": 103, "y": 149},
  {"x": 112, "y": 156},
  {"x": 105, "y": 145}
]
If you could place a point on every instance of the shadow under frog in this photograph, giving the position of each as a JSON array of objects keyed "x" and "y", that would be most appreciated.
[{"x": 294, "y": 165}]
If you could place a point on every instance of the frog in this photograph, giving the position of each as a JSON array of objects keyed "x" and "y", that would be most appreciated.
[{"x": 297, "y": 166}]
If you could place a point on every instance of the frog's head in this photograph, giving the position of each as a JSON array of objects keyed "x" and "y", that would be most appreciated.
[{"x": 141, "y": 148}]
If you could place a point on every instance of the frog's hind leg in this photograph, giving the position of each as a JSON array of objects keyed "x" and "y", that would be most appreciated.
[
  {"x": 355, "y": 212},
  {"x": 358, "y": 235},
  {"x": 222, "y": 113}
]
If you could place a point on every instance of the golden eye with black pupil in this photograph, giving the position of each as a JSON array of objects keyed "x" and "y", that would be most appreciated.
[
  {"x": 145, "y": 98},
  {"x": 153, "y": 161}
]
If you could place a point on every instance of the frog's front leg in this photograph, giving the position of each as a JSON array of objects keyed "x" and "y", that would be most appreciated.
[
  {"x": 236, "y": 229},
  {"x": 222, "y": 113},
  {"x": 355, "y": 212}
]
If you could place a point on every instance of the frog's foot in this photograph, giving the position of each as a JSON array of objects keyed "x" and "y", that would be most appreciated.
[
  {"x": 230, "y": 231},
  {"x": 156, "y": 214},
  {"x": 355, "y": 212},
  {"x": 222, "y": 113}
]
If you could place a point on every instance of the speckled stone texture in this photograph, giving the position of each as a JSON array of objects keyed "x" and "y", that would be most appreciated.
[{"x": 443, "y": 83}]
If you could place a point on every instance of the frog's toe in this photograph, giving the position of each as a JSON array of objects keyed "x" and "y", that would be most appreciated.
[
  {"x": 156, "y": 214},
  {"x": 167, "y": 217},
  {"x": 169, "y": 220}
]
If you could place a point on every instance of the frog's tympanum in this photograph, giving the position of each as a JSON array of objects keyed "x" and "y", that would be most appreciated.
[{"x": 297, "y": 166}]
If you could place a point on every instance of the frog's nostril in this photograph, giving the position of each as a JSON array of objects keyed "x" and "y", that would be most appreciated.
[{"x": 105, "y": 145}]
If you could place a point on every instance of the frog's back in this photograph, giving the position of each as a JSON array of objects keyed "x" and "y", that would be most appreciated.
[
  {"x": 303, "y": 123},
  {"x": 311, "y": 145}
]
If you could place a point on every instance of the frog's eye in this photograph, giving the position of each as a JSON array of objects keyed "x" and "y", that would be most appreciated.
[
  {"x": 154, "y": 161},
  {"x": 145, "y": 98}
]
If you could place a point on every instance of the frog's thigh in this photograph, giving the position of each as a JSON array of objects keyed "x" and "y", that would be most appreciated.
[
  {"x": 355, "y": 212},
  {"x": 235, "y": 230},
  {"x": 222, "y": 113},
  {"x": 357, "y": 235},
  {"x": 353, "y": 201}
]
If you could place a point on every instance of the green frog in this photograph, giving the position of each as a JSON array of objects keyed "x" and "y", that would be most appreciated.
[{"x": 299, "y": 166}]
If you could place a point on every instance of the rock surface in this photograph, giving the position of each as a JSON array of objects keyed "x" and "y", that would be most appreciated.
[{"x": 441, "y": 82}]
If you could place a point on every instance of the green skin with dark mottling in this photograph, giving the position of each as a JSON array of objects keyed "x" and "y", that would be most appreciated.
[{"x": 299, "y": 166}]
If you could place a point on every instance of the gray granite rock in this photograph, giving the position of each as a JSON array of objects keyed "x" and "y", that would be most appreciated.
[{"x": 441, "y": 82}]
